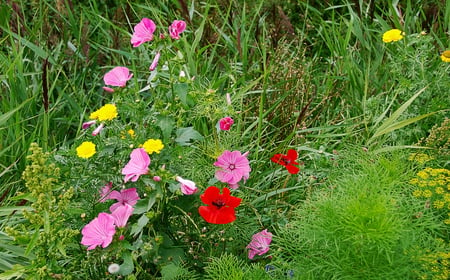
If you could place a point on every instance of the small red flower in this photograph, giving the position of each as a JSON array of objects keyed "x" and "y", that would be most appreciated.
[
  {"x": 288, "y": 161},
  {"x": 220, "y": 209}
]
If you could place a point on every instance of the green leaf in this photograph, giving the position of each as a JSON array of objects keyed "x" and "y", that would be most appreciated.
[
  {"x": 166, "y": 124},
  {"x": 181, "y": 90},
  {"x": 127, "y": 266},
  {"x": 144, "y": 205},
  {"x": 186, "y": 134},
  {"x": 171, "y": 271},
  {"x": 141, "y": 223},
  {"x": 16, "y": 271}
]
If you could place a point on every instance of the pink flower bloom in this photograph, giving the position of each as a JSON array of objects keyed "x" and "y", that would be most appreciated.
[
  {"x": 143, "y": 32},
  {"x": 88, "y": 124},
  {"x": 187, "y": 186},
  {"x": 177, "y": 27},
  {"x": 124, "y": 197},
  {"x": 259, "y": 244},
  {"x": 118, "y": 76},
  {"x": 98, "y": 129},
  {"x": 155, "y": 62},
  {"x": 105, "y": 192},
  {"x": 121, "y": 215},
  {"x": 99, "y": 232},
  {"x": 225, "y": 123},
  {"x": 234, "y": 166},
  {"x": 137, "y": 166}
]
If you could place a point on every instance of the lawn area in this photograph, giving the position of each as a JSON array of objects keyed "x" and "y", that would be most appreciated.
[{"x": 225, "y": 139}]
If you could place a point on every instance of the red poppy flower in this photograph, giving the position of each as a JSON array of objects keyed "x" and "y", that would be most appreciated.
[
  {"x": 288, "y": 161},
  {"x": 220, "y": 209}
]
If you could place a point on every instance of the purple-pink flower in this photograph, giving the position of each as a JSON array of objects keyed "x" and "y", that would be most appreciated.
[
  {"x": 98, "y": 129},
  {"x": 187, "y": 186},
  {"x": 177, "y": 27},
  {"x": 143, "y": 32},
  {"x": 259, "y": 244},
  {"x": 105, "y": 191},
  {"x": 99, "y": 232},
  {"x": 155, "y": 61},
  {"x": 234, "y": 167},
  {"x": 124, "y": 197},
  {"x": 121, "y": 215},
  {"x": 225, "y": 123},
  {"x": 88, "y": 124},
  {"x": 118, "y": 76},
  {"x": 137, "y": 166}
]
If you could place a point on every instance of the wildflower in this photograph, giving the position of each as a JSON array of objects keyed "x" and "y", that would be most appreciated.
[
  {"x": 98, "y": 129},
  {"x": 106, "y": 113},
  {"x": 423, "y": 174},
  {"x": 439, "y": 204},
  {"x": 155, "y": 61},
  {"x": 187, "y": 187},
  {"x": 417, "y": 193},
  {"x": 99, "y": 232},
  {"x": 392, "y": 35},
  {"x": 88, "y": 124},
  {"x": 105, "y": 192},
  {"x": 220, "y": 207},
  {"x": 259, "y": 244},
  {"x": 137, "y": 166},
  {"x": 121, "y": 215},
  {"x": 143, "y": 32},
  {"x": 113, "y": 268},
  {"x": 225, "y": 123},
  {"x": 445, "y": 56},
  {"x": 177, "y": 27},
  {"x": 108, "y": 89},
  {"x": 288, "y": 161},
  {"x": 153, "y": 146},
  {"x": 234, "y": 166},
  {"x": 118, "y": 76},
  {"x": 86, "y": 149},
  {"x": 156, "y": 178},
  {"x": 427, "y": 193},
  {"x": 419, "y": 157},
  {"x": 124, "y": 197}
]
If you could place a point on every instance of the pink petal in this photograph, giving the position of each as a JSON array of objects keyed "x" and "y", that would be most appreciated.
[
  {"x": 138, "y": 165},
  {"x": 122, "y": 214},
  {"x": 99, "y": 232},
  {"x": 118, "y": 76},
  {"x": 155, "y": 62},
  {"x": 187, "y": 186},
  {"x": 143, "y": 32}
]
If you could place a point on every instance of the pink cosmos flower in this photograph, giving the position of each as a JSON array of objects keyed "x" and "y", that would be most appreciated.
[
  {"x": 177, "y": 27},
  {"x": 137, "y": 166},
  {"x": 121, "y": 215},
  {"x": 143, "y": 32},
  {"x": 234, "y": 167},
  {"x": 118, "y": 76},
  {"x": 259, "y": 244},
  {"x": 105, "y": 192},
  {"x": 98, "y": 129},
  {"x": 225, "y": 123},
  {"x": 99, "y": 232},
  {"x": 155, "y": 61},
  {"x": 124, "y": 197},
  {"x": 88, "y": 124},
  {"x": 187, "y": 186}
]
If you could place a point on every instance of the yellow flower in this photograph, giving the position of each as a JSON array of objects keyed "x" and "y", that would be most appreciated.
[
  {"x": 105, "y": 113},
  {"x": 153, "y": 146},
  {"x": 439, "y": 190},
  {"x": 439, "y": 204},
  {"x": 130, "y": 132},
  {"x": 423, "y": 174},
  {"x": 419, "y": 157},
  {"x": 417, "y": 193},
  {"x": 86, "y": 149},
  {"x": 427, "y": 193},
  {"x": 445, "y": 56},
  {"x": 392, "y": 35}
]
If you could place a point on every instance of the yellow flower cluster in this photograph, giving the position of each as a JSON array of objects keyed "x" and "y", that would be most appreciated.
[
  {"x": 105, "y": 113},
  {"x": 392, "y": 35},
  {"x": 153, "y": 146},
  {"x": 86, "y": 149},
  {"x": 434, "y": 184},
  {"x": 437, "y": 264},
  {"x": 419, "y": 157}
]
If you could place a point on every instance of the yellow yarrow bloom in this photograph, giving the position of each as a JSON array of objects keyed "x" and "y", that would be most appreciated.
[
  {"x": 417, "y": 193},
  {"x": 105, "y": 113},
  {"x": 445, "y": 56},
  {"x": 392, "y": 35},
  {"x": 419, "y": 157},
  {"x": 153, "y": 146},
  {"x": 427, "y": 193},
  {"x": 439, "y": 204},
  {"x": 86, "y": 149},
  {"x": 423, "y": 174}
]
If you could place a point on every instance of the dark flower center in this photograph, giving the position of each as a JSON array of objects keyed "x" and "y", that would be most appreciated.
[
  {"x": 218, "y": 203},
  {"x": 232, "y": 166}
]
